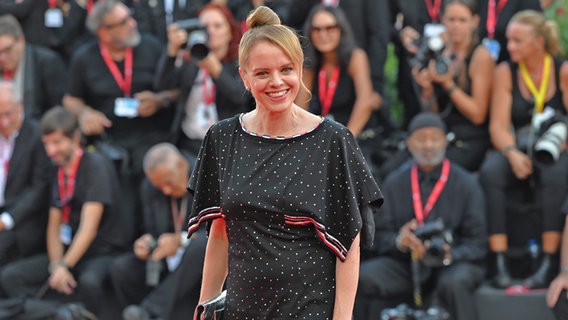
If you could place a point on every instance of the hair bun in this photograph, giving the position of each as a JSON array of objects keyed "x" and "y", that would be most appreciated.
[{"x": 262, "y": 16}]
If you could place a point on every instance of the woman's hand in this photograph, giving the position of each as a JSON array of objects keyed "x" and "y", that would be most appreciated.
[
  {"x": 520, "y": 163},
  {"x": 408, "y": 37},
  {"x": 176, "y": 38},
  {"x": 62, "y": 280}
]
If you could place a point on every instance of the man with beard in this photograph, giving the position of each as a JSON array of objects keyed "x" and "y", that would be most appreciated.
[
  {"x": 427, "y": 190},
  {"x": 112, "y": 93},
  {"x": 83, "y": 225}
]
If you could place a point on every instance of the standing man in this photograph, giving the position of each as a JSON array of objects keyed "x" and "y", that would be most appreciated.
[
  {"x": 428, "y": 189},
  {"x": 84, "y": 227},
  {"x": 112, "y": 93},
  {"x": 164, "y": 241},
  {"x": 24, "y": 179}
]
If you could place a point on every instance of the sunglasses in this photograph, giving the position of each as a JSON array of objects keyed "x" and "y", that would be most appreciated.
[{"x": 328, "y": 28}]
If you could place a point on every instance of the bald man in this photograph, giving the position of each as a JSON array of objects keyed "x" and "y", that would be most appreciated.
[{"x": 164, "y": 241}]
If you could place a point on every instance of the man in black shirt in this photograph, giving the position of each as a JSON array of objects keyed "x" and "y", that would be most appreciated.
[
  {"x": 85, "y": 226},
  {"x": 416, "y": 195}
]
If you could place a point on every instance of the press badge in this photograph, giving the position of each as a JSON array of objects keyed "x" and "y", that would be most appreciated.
[
  {"x": 433, "y": 29},
  {"x": 493, "y": 46},
  {"x": 53, "y": 18},
  {"x": 65, "y": 234},
  {"x": 126, "y": 107}
]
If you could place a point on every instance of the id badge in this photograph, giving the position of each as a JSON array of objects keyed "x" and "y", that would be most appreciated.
[
  {"x": 493, "y": 46},
  {"x": 53, "y": 18},
  {"x": 433, "y": 29},
  {"x": 65, "y": 234},
  {"x": 126, "y": 107}
]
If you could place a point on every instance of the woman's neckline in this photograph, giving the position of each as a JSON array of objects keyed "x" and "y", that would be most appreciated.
[{"x": 267, "y": 136}]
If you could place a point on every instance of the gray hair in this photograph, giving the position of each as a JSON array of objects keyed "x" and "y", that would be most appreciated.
[
  {"x": 161, "y": 154},
  {"x": 95, "y": 18},
  {"x": 9, "y": 25}
]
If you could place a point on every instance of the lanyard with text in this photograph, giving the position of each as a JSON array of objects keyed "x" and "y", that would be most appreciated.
[
  {"x": 67, "y": 187},
  {"x": 540, "y": 94},
  {"x": 422, "y": 212},
  {"x": 90, "y": 5},
  {"x": 178, "y": 214},
  {"x": 208, "y": 88},
  {"x": 493, "y": 11},
  {"x": 51, "y": 4},
  {"x": 433, "y": 7},
  {"x": 124, "y": 83},
  {"x": 8, "y": 75},
  {"x": 327, "y": 90}
]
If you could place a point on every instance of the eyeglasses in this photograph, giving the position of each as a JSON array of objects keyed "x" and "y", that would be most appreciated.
[
  {"x": 8, "y": 49},
  {"x": 120, "y": 23},
  {"x": 327, "y": 29}
]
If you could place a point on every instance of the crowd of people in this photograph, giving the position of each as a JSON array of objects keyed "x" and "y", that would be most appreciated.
[{"x": 161, "y": 151}]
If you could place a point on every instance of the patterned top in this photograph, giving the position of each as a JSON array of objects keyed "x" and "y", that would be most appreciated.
[{"x": 292, "y": 205}]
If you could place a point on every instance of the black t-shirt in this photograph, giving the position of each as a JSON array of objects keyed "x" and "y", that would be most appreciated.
[
  {"x": 96, "y": 181},
  {"x": 92, "y": 81}
]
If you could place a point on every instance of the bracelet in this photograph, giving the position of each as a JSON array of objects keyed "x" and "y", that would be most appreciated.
[
  {"x": 508, "y": 149},
  {"x": 56, "y": 264},
  {"x": 564, "y": 269},
  {"x": 453, "y": 88}
]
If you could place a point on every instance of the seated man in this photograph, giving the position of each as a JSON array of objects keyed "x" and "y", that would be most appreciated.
[
  {"x": 180, "y": 260},
  {"x": 418, "y": 194},
  {"x": 84, "y": 220},
  {"x": 557, "y": 295},
  {"x": 24, "y": 181}
]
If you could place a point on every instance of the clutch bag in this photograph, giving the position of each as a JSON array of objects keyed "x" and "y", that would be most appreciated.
[{"x": 211, "y": 309}]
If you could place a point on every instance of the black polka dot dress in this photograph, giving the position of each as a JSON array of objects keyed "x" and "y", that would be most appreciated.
[{"x": 292, "y": 208}]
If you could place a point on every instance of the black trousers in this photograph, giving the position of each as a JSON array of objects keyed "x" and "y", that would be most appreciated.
[
  {"x": 550, "y": 189},
  {"x": 386, "y": 282},
  {"x": 561, "y": 307},
  {"x": 25, "y": 277},
  {"x": 178, "y": 289}
]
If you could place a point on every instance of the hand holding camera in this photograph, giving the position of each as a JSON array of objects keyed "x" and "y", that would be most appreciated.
[
  {"x": 407, "y": 240},
  {"x": 437, "y": 242}
]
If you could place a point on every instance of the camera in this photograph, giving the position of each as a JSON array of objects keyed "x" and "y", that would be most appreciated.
[
  {"x": 438, "y": 236},
  {"x": 197, "y": 37},
  {"x": 153, "y": 267},
  {"x": 551, "y": 132},
  {"x": 431, "y": 48},
  {"x": 404, "y": 312}
]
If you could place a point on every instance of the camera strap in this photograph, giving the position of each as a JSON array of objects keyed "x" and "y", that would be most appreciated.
[
  {"x": 540, "y": 94},
  {"x": 66, "y": 186},
  {"x": 421, "y": 212},
  {"x": 493, "y": 11},
  {"x": 124, "y": 83},
  {"x": 326, "y": 90},
  {"x": 178, "y": 213}
]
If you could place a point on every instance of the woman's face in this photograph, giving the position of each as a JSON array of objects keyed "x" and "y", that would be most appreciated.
[
  {"x": 271, "y": 76},
  {"x": 325, "y": 32},
  {"x": 521, "y": 41},
  {"x": 218, "y": 28},
  {"x": 460, "y": 23}
]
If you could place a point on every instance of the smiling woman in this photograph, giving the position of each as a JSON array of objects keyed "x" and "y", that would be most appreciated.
[{"x": 287, "y": 193}]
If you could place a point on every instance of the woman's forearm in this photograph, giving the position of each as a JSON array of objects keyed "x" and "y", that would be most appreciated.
[
  {"x": 346, "y": 280},
  {"x": 215, "y": 267}
]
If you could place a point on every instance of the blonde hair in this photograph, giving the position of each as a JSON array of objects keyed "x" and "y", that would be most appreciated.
[{"x": 542, "y": 27}]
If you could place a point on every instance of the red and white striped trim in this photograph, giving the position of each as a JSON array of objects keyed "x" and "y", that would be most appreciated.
[
  {"x": 332, "y": 243},
  {"x": 203, "y": 216}
]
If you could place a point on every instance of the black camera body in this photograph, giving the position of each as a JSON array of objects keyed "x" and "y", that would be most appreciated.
[
  {"x": 197, "y": 38},
  {"x": 431, "y": 48},
  {"x": 551, "y": 132},
  {"x": 437, "y": 235},
  {"x": 153, "y": 267},
  {"x": 404, "y": 312}
]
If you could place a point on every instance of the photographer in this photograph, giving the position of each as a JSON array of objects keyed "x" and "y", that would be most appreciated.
[
  {"x": 454, "y": 81},
  {"x": 161, "y": 276},
  {"x": 533, "y": 80},
  {"x": 209, "y": 83},
  {"x": 441, "y": 190}
]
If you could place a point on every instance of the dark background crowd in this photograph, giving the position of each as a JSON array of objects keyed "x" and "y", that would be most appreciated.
[{"x": 143, "y": 80}]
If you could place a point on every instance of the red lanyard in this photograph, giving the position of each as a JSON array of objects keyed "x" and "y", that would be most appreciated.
[
  {"x": 6, "y": 166},
  {"x": 67, "y": 187},
  {"x": 493, "y": 11},
  {"x": 124, "y": 83},
  {"x": 208, "y": 88},
  {"x": 8, "y": 75},
  {"x": 433, "y": 7},
  {"x": 178, "y": 214},
  {"x": 90, "y": 5},
  {"x": 327, "y": 90},
  {"x": 422, "y": 212},
  {"x": 51, "y": 4}
]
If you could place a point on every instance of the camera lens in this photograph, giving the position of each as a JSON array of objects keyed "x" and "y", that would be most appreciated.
[{"x": 197, "y": 44}]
